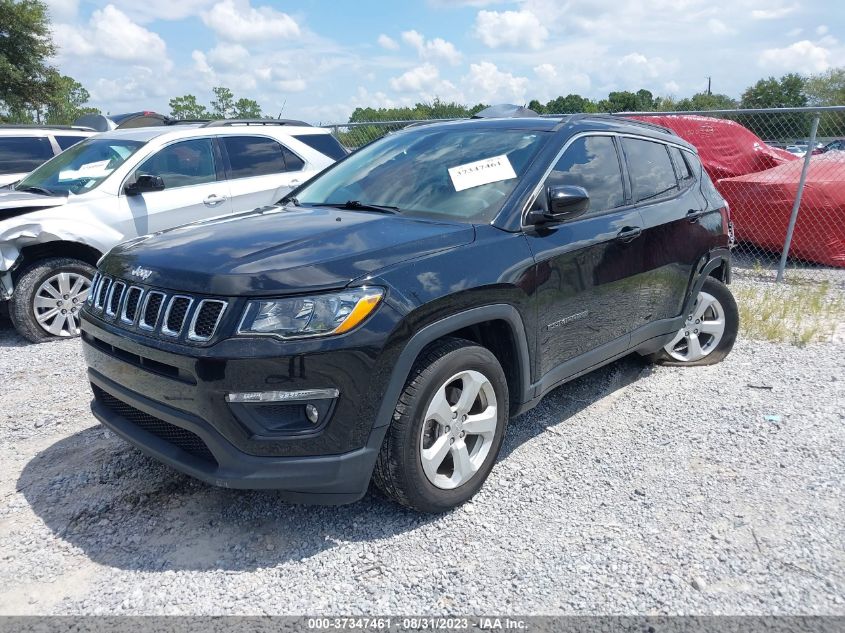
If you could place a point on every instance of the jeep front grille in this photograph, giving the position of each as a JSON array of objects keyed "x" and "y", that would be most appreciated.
[{"x": 156, "y": 312}]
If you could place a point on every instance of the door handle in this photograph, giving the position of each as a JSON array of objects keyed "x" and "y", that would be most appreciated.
[
  {"x": 694, "y": 214},
  {"x": 213, "y": 200},
  {"x": 629, "y": 233}
]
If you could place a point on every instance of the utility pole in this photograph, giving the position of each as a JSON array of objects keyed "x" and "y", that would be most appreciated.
[{"x": 708, "y": 86}]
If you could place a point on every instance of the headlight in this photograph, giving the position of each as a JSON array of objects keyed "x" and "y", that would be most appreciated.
[{"x": 317, "y": 315}]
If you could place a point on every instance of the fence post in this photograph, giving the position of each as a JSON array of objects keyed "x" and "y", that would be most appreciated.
[
  {"x": 335, "y": 131},
  {"x": 811, "y": 145}
]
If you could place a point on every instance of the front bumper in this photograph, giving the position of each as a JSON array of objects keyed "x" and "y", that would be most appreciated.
[
  {"x": 170, "y": 401},
  {"x": 330, "y": 479}
]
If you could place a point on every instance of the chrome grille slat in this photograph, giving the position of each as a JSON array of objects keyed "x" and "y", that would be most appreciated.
[
  {"x": 153, "y": 297},
  {"x": 115, "y": 297},
  {"x": 174, "y": 317},
  {"x": 102, "y": 293},
  {"x": 130, "y": 307},
  {"x": 92, "y": 291},
  {"x": 205, "y": 311}
]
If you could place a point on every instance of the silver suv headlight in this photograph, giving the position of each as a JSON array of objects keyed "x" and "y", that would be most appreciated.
[{"x": 309, "y": 316}]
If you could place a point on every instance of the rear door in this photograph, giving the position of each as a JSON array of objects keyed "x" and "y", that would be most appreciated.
[
  {"x": 195, "y": 187},
  {"x": 587, "y": 268},
  {"x": 261, "y": 170},
  {"x": 665, "y": 192}
]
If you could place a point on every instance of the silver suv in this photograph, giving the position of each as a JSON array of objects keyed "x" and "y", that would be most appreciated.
[{"x": 60, "y": 219}]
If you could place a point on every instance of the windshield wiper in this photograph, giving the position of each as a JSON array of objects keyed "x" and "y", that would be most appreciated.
[
  {"x": 40, "y": 190},
  {"x": 357, "y": 205}
]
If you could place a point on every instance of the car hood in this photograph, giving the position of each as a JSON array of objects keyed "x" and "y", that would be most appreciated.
[
  {"x": 279, "y": 250},
  {"x": 14, "y": 203}
]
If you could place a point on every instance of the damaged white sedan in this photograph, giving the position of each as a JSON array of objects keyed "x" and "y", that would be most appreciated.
[{"x": 56, "y": 223}]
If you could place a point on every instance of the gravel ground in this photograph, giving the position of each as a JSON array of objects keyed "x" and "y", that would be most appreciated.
[{"x": 635, "y": 490}]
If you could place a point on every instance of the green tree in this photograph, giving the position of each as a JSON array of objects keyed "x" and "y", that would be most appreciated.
[
  {"x": 538, "y": 107},
  {"x": 67, "y": 100},
  {"x": 827, "y": 88},
  {"x": 25, "y": 47},
  {"x": 570, "y": 104},
  {"x": 247, "y": 109},
  {"x": 704, "y": 101},
  {"x": 223, "y": 105},
  {"x": 186, "y": 107},
  {"x": 626, "y": 101},
  {"x": 786, "y": 92}
]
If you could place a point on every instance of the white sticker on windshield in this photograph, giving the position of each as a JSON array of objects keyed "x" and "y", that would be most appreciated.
[
  {"x": 481, "y": 172},
  {"x": 89, "y": 170}
]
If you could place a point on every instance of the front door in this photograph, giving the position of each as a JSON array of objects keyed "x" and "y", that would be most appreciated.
[
  {"x": 194, "y": 188},
  {"x": 588, "y": 268}
]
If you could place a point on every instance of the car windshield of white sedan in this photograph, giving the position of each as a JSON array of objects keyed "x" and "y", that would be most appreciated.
[
  {"x": 464, "y": 175},
  {"x": 80, "y": 168}
]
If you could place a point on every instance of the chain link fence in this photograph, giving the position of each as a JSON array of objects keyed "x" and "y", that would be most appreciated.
[{"x": 781, "y": 170}]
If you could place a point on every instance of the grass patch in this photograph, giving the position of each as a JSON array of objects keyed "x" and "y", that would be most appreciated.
[{"x": 796, "y": 313}]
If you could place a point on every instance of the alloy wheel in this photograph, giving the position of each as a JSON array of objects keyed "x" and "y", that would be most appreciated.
[
  {"x": 458, "y": 430},
  {"x": 702, "y": 331},
  {"x": 57, "y": 303}
]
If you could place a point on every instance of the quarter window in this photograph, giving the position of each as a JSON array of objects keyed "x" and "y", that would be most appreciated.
[
  {"x": 67, "y": 141},
  {"x": 251, "y": 156},
  {"x": 182, "y": 164},
  {"x": 682, "y": 168},
  {"x": 23, "y": 153},
  {"x": 651, "y": 170},
  {"x": 591, "y": 162}
]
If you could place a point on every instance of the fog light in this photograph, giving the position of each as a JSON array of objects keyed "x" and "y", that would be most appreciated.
[{"x": 311, "y": 413}]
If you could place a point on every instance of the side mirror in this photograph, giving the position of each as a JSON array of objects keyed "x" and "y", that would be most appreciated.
[
  {"x": 564, "y": 203},
  {"x": 143, "y": 184}
]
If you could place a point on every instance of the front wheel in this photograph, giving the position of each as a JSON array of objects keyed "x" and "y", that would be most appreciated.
[
  {"x": 710, "y": 329},
  {"x": 48, "y": 297},
  {"x": 447, "y": 428}
]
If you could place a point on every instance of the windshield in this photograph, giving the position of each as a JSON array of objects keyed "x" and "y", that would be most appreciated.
[
  {"x": 80, "y": 168},
  {"x": 461, "y": 173}
]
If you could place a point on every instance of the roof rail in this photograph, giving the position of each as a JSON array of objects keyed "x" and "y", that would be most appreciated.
[
  {"x": 31, "y": 126},
  {"x": 186, "y": 121},
  {"x": 653, "y": 126},
  {"x": 228, "y": 122}
]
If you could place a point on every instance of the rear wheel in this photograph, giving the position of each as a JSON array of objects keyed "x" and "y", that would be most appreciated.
[
  {"x": 48, "y": 297},
  {"x": 447, "y": 428},
  {"x": 710, "y": 329}
]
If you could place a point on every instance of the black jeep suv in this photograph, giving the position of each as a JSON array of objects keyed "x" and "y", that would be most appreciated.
[{"x": 387, "y": 318}]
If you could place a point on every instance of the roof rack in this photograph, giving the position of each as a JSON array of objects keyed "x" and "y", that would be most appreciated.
[
  {"x": 30, "y": 126},
  {"x": 653, "y": 126},
  {"x": 229, "y": 122},
  {"x": 187, "y": 121}
]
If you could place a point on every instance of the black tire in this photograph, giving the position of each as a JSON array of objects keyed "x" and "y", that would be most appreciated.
[
  {"x": 21, "y": 310},
  {"x": 399, "y": 472},
  {"x": 720, "y": 291}
]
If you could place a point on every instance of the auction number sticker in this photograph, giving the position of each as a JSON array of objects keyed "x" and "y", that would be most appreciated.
[{"x": 481, "y": 172}]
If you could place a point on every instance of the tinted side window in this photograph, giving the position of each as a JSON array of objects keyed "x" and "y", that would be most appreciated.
[
  {"x": 67, "y": 141},
  {"x": 591, "y": 162},
  {"x": 24, "y": 153},
  {"x": 182, "y": 164},
  {"x": 323, "y": 143},
  {"x": 253, "y": 156},
  {"x": 292, "y": 161},
  {"x": 682, "y": 168},
  {"x": 651, "y": 170}
]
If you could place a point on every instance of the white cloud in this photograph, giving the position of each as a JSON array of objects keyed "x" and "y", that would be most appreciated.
[
  {"x": 821, "y": 29},
  {"x": 795, "y": 32},
  {"x": 201, "y": 63},
  {"x": 437, "y": 49},
  {"x": 640, "y": 69},
  {"x": 545, "y": 72},
  {"x": 388, "y": 42},
  {"x": 671, "y": 88},
  {"x": 110, "y": 33},
  {"x": 417, "y": 79},
  {"x": 239, "y": 21},
  {"x": 773, "y": 13},
  {"x": 228, "y": 56},
  {"x": 803, "y": 56},
  {"x": 486, "y": 83},
  {"x": 510, "y": 28},
  {"x": 150, "y": 10}
]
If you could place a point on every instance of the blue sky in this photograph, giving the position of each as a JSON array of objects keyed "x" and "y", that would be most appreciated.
[{"x": 318, "y": 59}]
